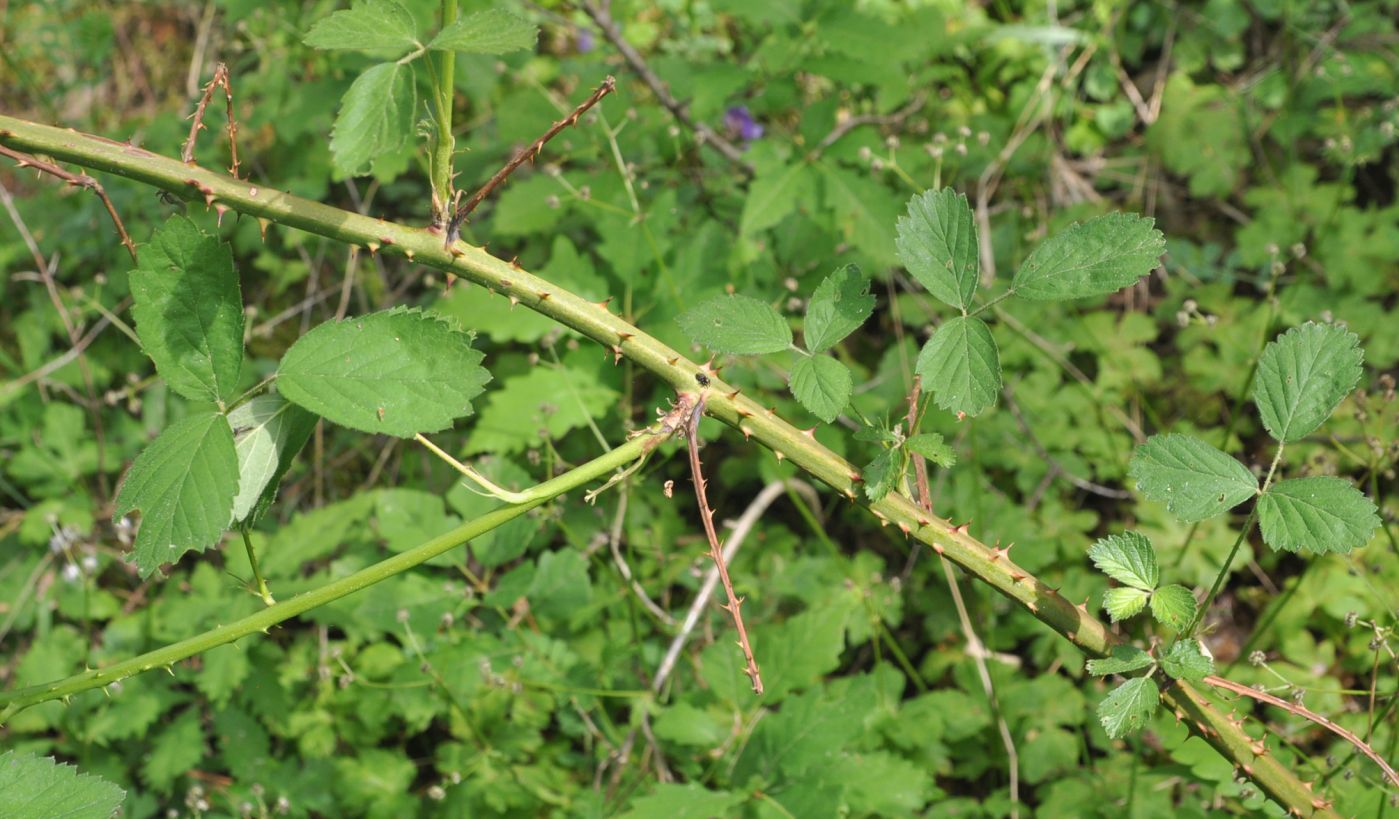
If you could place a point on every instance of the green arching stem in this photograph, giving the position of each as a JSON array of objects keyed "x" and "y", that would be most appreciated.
[
  {"x": 443, "y": 143},
  {"x": 262, "y": 590},
  {"x": 723, "y": 402},
  {"x": 19, "y": 699},
  {"x": 490, "y": 487}
]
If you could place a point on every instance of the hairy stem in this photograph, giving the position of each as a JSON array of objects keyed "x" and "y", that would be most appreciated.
[{"x": 443, "y": 143}]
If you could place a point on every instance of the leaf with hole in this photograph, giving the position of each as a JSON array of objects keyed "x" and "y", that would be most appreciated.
[
  {"x": 1122, "y": 660},
  {"x": 822, "y": 385},
  {"x": 961, "y": 366},
  {"x": 381, "y": 28},
  {"x": 1127, "y": 708},
  {"x": 1174, "y": 607},
  {"x": 396, "y": 372},
  {"x": 1092, "y": 258},
  {"x": 1318, "y": 514},
  {"x": 838, "y": 307},
  {"x": 1303, "y": 375},
  {"x": 739, "y": 325},
  {"x": 376, "y": 117},
  {"x": 486, "y": 32},
  {"x": 1194, "y": 480},
  {"x": 1127, "y": 558},
  {"x": 937, "y": 243}
]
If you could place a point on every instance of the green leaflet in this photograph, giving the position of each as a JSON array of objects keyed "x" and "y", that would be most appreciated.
[
  {"x": 1187, "y": 660},
  {"x": 1318, "y": 514},
  {"x": 1091, "y": 258},
  {"x": 1127, "y": 708},
  {"x": 381, "y": 28},
  {"x": 931, "y": 446},
  {"x": 740, "y": 325},
  {"x": 488, "y": 32},
  {"x": 1122, "y": 660},
  {"x": 1194, "y": 480},
  {"x": 1127, "y": 558},
  {"x": 822, "y": 385},
  {"x": 376, "y": 117},
  {"x": 36, "y": 787},
  {"x": 268, "y": 431},
  {"x": 961, "y": 366},
  {"x": 773, "y": 195},
  {"x": 1173, "y": 606},
  {"x": 1124, "y": 602},
  {"x": 1303, "y": 375},
  {"x": 838, "y": 307},
  {"x": 937, "y": 243}
]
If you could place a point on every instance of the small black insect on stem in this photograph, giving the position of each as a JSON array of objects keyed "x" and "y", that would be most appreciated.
[{"x": 702, "y": 379}]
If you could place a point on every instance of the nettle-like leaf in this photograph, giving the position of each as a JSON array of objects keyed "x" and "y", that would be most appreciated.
[
  {"x": 1127, "y": 558},
  {"x": 1122, "y": 660},
  {"x": 1303, "y": 376},
  {"x": 268, "y": 431},
  {"x": 487, "y": 32},
  {"x": 1127, "y": 708},
  {"x": 36, "y": 787},
  {"x": 1319, "y": 514},
  {"x": 1174, "y": 607},
  {"x": 738, "y": 325},
  {"x": 838, "y": 307},
  {"x": 382, "y": 28},
  {"x": 376, "y": 117},
  {"x": 184, "y": 484},
  {"x": 1195, "y": 480},
  {"x": 822, "y": 385},
  {"x": 937, "y": 243},
  {"x": 881, "y": 474},
  {"x": 1091, "y": 258},
  {"x": 932, "y": 446},
  {"x": 189, "y": 310},
  {"x": 1124, "y": 602},
  {"x": 961, "y": 365},
  {"x": 1187, "y": 660},
  {"x": 397, "y": 372}
]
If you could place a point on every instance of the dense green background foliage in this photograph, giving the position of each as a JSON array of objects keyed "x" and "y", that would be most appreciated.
[{"x": 514, "y": 677}]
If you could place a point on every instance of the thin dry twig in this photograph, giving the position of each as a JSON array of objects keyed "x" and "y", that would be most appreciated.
[
  {"x": 220, "y": 78},
  {"x": 716, "y": 551},
  {"x": 603, "y": 19},
  {"x": 77, "y": 180},
  {"x": 849, "y": 124},
  {"x": 529, "y": 152}
]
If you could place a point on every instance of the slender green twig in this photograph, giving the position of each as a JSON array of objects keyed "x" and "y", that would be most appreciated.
[
  {"x": 443, "y": 143},
  {"x": 262, "y": 590}
]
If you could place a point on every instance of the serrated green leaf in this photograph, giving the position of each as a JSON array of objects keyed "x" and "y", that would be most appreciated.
[
  {"x": 184, "y": 484},
  {"x": 376, "y": 117},
  {"x": 1194, "y": 480},
  {"x": 931, "y": 446},
  {"x": 268, "y": 431},
  {"x": 1091, "y": 258},
  {"x": 1319, "y": 514},
  {"x": 1127, "y": 558},
  {"x": 822, "y": 385},
  {"x": 1127, "y": 708},
  {"x": 937, "y": 243},
  {"x": 1123, "y": 660},
  {"x": 36, "y": 787},
  {"x": 961, "y": 365},
  {"x": 176, "y": 749},
  {"x": 689, "y": 801},
  {"x": 397, "y": 372},
  {"x": 881, "y": 474},
  {"x": 544, "y": 403},
  {"x": 1187, "y": 660},
  {"x": 1303, "y": 375},
  {"x": 1124, "y": 602},
  {"x": 1173, "y": 606},
  {"x": 739, "y": 325},
  {"x": 838, "y": 307},
  {"x": 189, "y": 310},
  {"x": 382, "y": 28},
  {"x": 772, "y": 196},
  {"x": 487, "y": 32}
]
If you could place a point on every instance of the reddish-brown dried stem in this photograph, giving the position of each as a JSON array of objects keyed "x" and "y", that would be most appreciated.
[
  {"x": 716, "y": 552},
  {"x": 220, "y": 79},
  {"x": 79, "y": 180}
]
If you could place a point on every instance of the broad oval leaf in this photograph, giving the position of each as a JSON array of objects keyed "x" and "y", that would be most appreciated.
[
  {"x": 961, "y": 365},
  {"x": 1127, "y": 558},
  {"x": 937, "y": 243},
  {"x": 268, "y": 431},
  {"x": 739, "y": 325},
  {"x": 1122, "y": 660},
  {"x": 189, "y": 310},
  {"x": 40, "y": 787},
  {"x": 822, "y": 385},
  {"x": 184, "y": 484},
  {"x": 838, "y": 307},
  {"x": 397, "y": 372},
  {"x": 1319, "y": 514},
  {"x": 1127, "y": 708},
  {"x": 1192, "y": 478},
  {"x": 1187, "y": 660},
  {"x": 383, "y": 28},
  {"x": 1173, "y": 606},
  {"x": 486, "y": 32},
  {"x": 1091, "y": 258},
  {"x": 376, "y": 117},
  {"x": 1303, "y": 375}
]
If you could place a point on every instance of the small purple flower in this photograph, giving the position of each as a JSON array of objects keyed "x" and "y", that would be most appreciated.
[
  {"x": 739, "y": 121},
  {"x": 584, "y": 42}
]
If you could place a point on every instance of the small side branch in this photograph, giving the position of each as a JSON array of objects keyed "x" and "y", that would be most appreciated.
[
  {"x": 220, "y": 80},
  {"x": 77, "y": 180},
  {"x": 530, "y": 152},
  {"x": 716, "y": 552}
]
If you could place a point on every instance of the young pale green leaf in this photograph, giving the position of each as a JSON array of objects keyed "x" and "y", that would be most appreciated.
[
  {"x": 1195, "y": 480},
  {"x": 1303, "y": 375},
  {"x": 937, "y": 243},
  {"x": 1129, "y": 706},
  {"x": 487, "y": 32},
  {"x": 881, "y": 474},
  {"x": 376, "y": 117},
  {"x": 1319, "y": 514},
  {"x": 739, "y": 325},
  {"x": 1187, "y": 660},
  {"x": 184, "y": 484},
  {"x": 837, "y": 308},
  {"x": 1091, "y": 258},
  {"x": 189, "y": 311},
  {"x": 1122, "y": 660},
  {"x": 961, "y": 366},
  {"x": 1127, "y": 558},
  {"x": 773, "y": 195},
  {"x": 822, "y": 385},
  {"x": 36, "y": 787},
  {"x": 1173, "y": 606},
  {"x": 931, "y": 446},
  {"x": 268, "y": 431},
  {"x": 383, "y": 28},
  {"x": 1123, "y": 602},
  {"x": 397, "y": 372}
]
